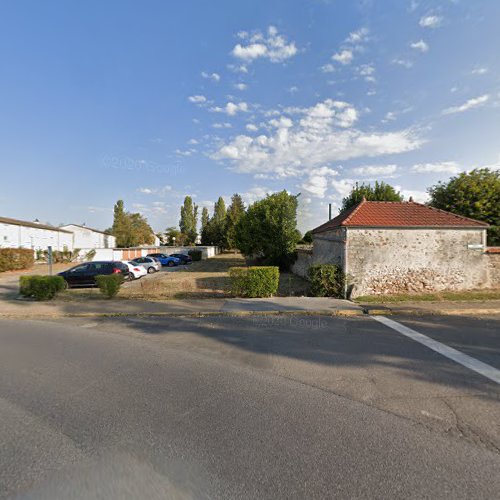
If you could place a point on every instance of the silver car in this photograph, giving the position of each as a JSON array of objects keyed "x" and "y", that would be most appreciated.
[{"x": 149, "y": 263}]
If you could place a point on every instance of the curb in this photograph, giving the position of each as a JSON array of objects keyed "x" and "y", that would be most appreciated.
[
  {"x": 377, "y": 311},
  {"x": 345, "y": 313}
]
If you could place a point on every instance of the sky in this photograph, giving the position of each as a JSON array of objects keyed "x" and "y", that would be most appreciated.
[{"x": 151, "y": 101}]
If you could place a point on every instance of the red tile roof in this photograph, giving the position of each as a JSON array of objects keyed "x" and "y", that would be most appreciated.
[{"x": 397, "y": 214}]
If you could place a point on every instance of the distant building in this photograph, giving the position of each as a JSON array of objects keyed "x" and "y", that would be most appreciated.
[
  {"x": 87, "y": 238},
  {"x": 15, "y": 233}
]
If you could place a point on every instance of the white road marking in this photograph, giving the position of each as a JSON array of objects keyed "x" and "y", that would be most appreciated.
[{"x": 450, "y": 353}]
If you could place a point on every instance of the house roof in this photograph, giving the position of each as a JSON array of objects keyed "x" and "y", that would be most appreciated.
[
  {"x": 398, "y": 214},
  {"x": 25, "y": 223},
  {"x": 89, "y": 228}
]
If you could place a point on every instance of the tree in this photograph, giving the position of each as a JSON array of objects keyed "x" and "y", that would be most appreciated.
[
  {"x": 204, "y": 219},
  {"x": 268, "y": 229},
  {"x": 380, "y": 191},
  {"x": 130, "y": 229},
  {"x": 174, "y": 236},
  {"x": 234, "y": 213},
  {"x": 474, "y": 194},
  {"x": 308, "y": 237},
  {"x": 189, "y": 219},
  {"x": 215, "y": 230}
]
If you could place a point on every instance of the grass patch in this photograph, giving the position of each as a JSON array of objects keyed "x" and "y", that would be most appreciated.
[{"x": 444, "y": 296}]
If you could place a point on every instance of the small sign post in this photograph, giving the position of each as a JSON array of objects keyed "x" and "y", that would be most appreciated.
[{"x": 49, "y": 259}]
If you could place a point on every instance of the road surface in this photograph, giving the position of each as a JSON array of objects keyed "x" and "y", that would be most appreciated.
[{"x": 253, "y": 407}]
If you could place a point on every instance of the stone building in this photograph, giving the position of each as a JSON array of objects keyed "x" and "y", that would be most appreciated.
[{"x": 401, "y": 247}]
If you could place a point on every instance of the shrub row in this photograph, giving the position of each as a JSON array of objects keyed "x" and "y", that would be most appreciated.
[
  {"x": 41, "y": 287},
  {"x": 327, "y": 280},
  {"x": 12, "y": 259},
  {"x": 109, "y": 284},
  {"x": 259, "y": 281},
  {"x": 195, "y": 254}
]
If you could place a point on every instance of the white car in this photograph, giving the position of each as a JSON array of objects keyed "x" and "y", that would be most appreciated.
[{"x": 135, "y": 270}]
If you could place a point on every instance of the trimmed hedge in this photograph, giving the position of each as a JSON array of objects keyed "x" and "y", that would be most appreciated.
[
  {"x": 41, "y": 287},
  {"x": 12, "y": 259},
  {"x": 257, "y": 281},
  {"x": 327, "y": 280},
  {"x": 195, "y": 254},
  {"x": 109, "y": 284}
]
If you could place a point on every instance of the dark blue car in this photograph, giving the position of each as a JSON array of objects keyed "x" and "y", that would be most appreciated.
[
  {"x": 165, "y": 260},
  {"x": 185, "y": 259}
]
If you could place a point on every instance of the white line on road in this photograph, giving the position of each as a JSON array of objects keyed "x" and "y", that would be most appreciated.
[{"x": 450, "y": 353}]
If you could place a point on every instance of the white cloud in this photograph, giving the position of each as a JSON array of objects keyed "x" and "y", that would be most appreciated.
[
  {"x": 145, "y": 190},
  {"x": 215, "y": 77},
  {"x": 372, "y": 170},
  {"x": 479, "y": 71},
  {"x": 251, "y": 127},
  {"x": 430, "y": 21},
  {"x": 156, "y": 190},
  {"x": 359, "y": 36},
  {"x": 241, "y": 86},
  {"x": 367, "y": 71},
  {"x": 328, "y": 68},
  {"x": 317, "y": 181},
  {"x": 420, "y": 45},
  {"x": 471, "y": 103},
  {"x": 403, "y": 62},
  {"x": 187, "y": 152},
  {"x": 254, "y": 194},
  {"x": 293, "y": 89},
  {"x": 193, "y": 141},
  {"x": 450, "y": 167},
  {"x": 231, "y": 108},
  {"x": 222, "y": 125},
  {"x": 343, "y": 186},
  {"x": 197, "y": 99},
  {"x": 322, "y": 135},
  {"x": 273, "y": 47},
  {"x": 417, "y": 196},
  {"x": 343, "y": 57}
]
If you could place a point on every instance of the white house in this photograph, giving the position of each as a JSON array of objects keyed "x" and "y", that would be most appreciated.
[
  {"x": 16, "y": 233},
  {"x": 87, "y": 238}
]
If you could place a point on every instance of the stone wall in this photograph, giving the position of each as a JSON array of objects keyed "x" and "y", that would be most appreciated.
[
  {"x": 303, "y": 262},
  {"x": 389, "y": 261},
  {"x": 492, "y": 257},
  {"x": 329, "y": 247}
]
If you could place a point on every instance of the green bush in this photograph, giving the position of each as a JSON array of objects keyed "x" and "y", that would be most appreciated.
[
  {"x": 327, "y": 280},
  {"x": 109, "y": 284},
  {"x": 12, "y": 259},
  {"x": 195, "y": 254},
  {"x": 255, "y": 281},
  {"x": 41, "y": 287}
]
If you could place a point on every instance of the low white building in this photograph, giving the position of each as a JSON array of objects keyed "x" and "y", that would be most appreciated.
[
  {"x": 87, "y": 238},
  {"x": 16, "y": 233}
]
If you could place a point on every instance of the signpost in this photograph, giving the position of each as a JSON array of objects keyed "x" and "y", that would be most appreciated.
[{"x": 49, "y": 259}]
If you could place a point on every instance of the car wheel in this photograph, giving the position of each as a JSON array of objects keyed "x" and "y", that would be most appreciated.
[
  {"x": 151, "y": 270},
  {"x": 131, "y": 277},
  {"x": 171, "y": 263}
]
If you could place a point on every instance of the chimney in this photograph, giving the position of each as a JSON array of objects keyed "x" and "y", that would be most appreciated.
[
  {"x": 410, "y": 200},
  {"x": 329, "y": 211}
]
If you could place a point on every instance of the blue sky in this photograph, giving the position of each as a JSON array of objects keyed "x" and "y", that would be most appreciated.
[{"x": 150, "y": 101}]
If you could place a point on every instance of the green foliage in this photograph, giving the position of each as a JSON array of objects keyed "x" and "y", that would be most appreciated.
[
  {"x": 494, "y": 236},
  {"x": 130, "y": 229},
  {"x": 174, "y": 237},
  {"x": 195, "y": 254},
  {"x": 268, "y": 230},
  {"x": 64, "y": 256},
  {"x": 308, "y": 238},
  {"x": 474, "y": 194},
  {"x": 327, "y": 280},
  {"x": 214, "y": 232},
  {"x": 12, "y": 259},
  {"x": 41, "y": 287},
  {"x": 109, "y": 284},
  {"x": 254, "y": 281},
  {"x": 204, "y": 219},
  {"x": 188, "y": 220},
  {"x": 380, "y": 191},
  {"x": 234, "y": 213}
]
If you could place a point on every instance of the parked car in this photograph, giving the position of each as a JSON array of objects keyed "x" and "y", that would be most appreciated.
[
  {"x": 135, "y": 270},
  {"x": 165, "y": 260},
  {"x": 84, "y": 274},
  {"x": 185, "y": 259},
  {"x": 149, "y": 263}
]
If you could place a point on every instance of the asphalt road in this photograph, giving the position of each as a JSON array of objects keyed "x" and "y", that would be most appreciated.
[{"x": 255, "y": 407}]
